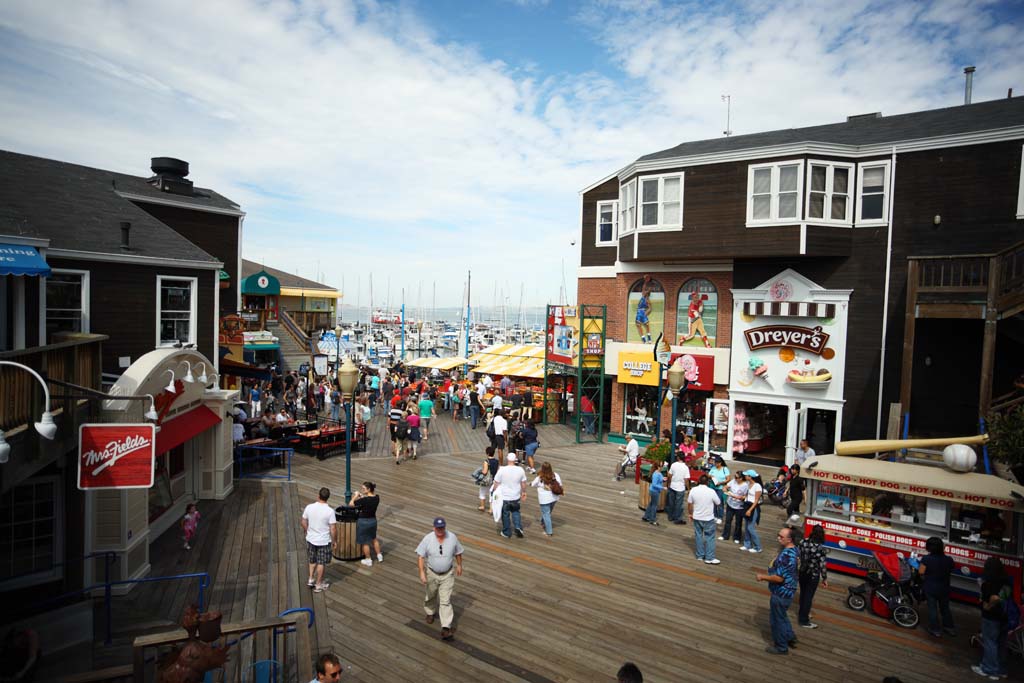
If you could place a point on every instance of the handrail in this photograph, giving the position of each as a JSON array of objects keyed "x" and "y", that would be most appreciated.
[
  {"x": 293, "y": 328},
  {"x": 295, "y": 610}
]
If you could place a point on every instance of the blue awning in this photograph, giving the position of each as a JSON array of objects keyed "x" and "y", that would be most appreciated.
[{"x": 17, "y": 259}]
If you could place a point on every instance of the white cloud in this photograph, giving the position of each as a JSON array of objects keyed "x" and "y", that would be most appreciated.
[{"x": 354, "y": 134}]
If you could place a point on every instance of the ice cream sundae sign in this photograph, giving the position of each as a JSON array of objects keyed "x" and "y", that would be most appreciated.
[
  {"x": 808, "y": 339},
  {"x": 116, "y": 456}
]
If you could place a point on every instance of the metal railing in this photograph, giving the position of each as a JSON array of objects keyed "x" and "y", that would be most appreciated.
[
  {"x": 263, "y": 453},
  {"x": 298, "y": 335}
]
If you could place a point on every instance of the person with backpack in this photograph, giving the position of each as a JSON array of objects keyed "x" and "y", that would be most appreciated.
[
  {"x": 549, "y": 491},
  {"x": 484, "y": 477},
  {"x": 936, "y": 568},
  {"x": 998, "y": 611},
  {"x": 402, "y": 435},
  {"x": 336, "y": 405},
  {"x": 813, "y": 570}
]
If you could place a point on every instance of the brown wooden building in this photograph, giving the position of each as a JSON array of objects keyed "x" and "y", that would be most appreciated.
[{"x": 929, "y": 202}]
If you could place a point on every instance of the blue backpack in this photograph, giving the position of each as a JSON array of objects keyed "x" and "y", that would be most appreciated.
[{"x": 1010, "y": 608}]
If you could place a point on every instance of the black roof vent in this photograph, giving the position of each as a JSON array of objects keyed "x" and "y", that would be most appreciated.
[
  {"x": 170, "y": 176},
  {"x": 859, "y": 117}
]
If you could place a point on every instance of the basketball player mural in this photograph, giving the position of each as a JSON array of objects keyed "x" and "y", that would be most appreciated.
[
  {"x": 643, "y": 310},
  {"x": 696, "y": 318}
]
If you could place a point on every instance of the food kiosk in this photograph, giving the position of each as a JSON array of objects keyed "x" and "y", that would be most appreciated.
[{"x": 866, "y": 504}]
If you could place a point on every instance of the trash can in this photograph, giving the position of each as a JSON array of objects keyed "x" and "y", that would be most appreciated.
[{"x": 347, "y": 548}]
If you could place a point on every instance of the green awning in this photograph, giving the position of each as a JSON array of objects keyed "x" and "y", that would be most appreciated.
[
  {"x": 262, "y": 347},
  {"x": 261, "y": 283},
  {"x": 224, "y": 275}
]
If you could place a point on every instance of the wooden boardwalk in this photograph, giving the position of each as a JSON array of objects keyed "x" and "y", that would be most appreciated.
[{"x": 606, "y": 588}]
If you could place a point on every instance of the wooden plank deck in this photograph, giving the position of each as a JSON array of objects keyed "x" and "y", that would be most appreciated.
[{"x": 605, "y": 589}]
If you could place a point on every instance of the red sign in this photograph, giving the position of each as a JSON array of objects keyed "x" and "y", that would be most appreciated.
[
  {"x": 699, "y": 370},
  {"x": 560, "y": 334},
  {"x": 915, "y": 489},
  {"x": 116, "y": 456}
]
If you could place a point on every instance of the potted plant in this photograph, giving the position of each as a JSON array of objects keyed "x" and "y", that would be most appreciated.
[
  {"x": 1006, "y": 441},
  {"x": 656, "y": 455}
]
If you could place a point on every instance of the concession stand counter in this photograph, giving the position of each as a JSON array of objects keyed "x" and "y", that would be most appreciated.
[{"x": 866, "y": 504}]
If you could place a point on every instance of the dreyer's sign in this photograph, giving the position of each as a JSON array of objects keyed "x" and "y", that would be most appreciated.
[
  {"x": 813, "y": 340},
  {"x": 116, "y": 456}
]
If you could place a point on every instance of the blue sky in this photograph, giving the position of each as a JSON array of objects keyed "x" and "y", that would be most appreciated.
[{"x": 417, "y": 139}]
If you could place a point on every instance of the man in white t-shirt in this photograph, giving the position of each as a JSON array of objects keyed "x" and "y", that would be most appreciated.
[
  {"x": 500, "y": 432},
  {"x": 700, "y": 505},
  {"x": 496, "y": 402},
  {"x": 803, "y": 453},
  {"x": 631, "y": 451},
  {"x": 320, "y": 525},
  {"x": 511, "y": 484},
  {"x": 678, "y": 475}
]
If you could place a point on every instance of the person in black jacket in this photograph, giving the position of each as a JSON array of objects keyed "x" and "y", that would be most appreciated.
[
  {"x": 995, "y": 590},
  {"x": 936, "y": 567}
]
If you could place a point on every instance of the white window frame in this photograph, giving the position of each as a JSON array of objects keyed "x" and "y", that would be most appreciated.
[
  {"x": 1020, "y": 187},
  {"x": 871, "y": 222},
  {"x": 56, "y": 572},
  {"x": 614, "y": 203},
  {"x": 627, "y": 226},
  {"x": 851, "y": 178},
  {"x": 661, "y": 226},
  {"x": 193, "y": 312},
  {"x": 773, "y": 218},
  {"x": 86, "y": 296}
]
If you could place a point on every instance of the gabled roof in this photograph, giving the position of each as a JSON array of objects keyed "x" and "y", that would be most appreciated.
[
  {"x": 288, "y": 280},
  {"x": 78, "y": 208},
  {"x": 868, "y": 130}
]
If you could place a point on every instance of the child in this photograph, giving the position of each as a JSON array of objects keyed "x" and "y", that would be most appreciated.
[{"x": 190, "y": 524}]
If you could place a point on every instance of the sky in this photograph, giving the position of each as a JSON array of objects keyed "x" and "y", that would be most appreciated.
[{"x": 417, "y": 140}]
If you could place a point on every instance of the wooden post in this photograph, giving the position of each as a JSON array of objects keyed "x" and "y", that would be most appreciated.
[
  {"x": 909, "y": 324},
  {"x": 988, "y": 346}
]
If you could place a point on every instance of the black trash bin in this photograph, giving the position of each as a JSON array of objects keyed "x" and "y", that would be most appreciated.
[{"x": 347, "y": 548}]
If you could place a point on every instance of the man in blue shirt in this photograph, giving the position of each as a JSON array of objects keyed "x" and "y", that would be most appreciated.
[
  {"x": 654, "y": 490},
  {"x": 782, "y": 582}
]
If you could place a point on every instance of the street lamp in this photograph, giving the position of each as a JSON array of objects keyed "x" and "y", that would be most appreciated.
[
  {"x": 676, "y": 383},
  {"x": 46, "y": 427},
  {"x": 348, "y": 376},
  {"x": 337, "y": 347}
]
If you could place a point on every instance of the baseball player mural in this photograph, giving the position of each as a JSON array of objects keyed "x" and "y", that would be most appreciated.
[{"x": 702, "y": 294}]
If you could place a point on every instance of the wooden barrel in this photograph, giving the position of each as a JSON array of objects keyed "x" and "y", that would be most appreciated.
[
  {"x": 347, "y": 548},
  {"x": 645, "y": 496}
]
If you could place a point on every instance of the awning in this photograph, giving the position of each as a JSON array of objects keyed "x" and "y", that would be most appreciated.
[
  {"x": 262, "y": 347},
  {"x": 311, "y": 293},
  {"x": 18, "y": 259},
  {"x": 228, "y": 367},
  {"x": 224, "y": 275},
  {"x": 799, "y": 309},
  {"x": 184, "y": 427},
  {"x": 439, "y": 363}
]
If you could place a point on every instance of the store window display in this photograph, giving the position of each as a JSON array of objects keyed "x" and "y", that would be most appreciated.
[
  {"x": 690, "y": 416},
  {"x": 646, "y": 303},
  {"x": 641, "y": 409},
  {"x": 697, "y": 313}
]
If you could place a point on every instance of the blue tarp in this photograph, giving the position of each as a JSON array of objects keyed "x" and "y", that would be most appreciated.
[{"x": 17, "y": 259}]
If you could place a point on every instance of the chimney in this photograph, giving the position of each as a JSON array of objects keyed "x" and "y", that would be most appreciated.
[
  {"x": 126, "y": 229},
  {"x": 169, "y": 176},
  {"x": 969, "y": 72}
]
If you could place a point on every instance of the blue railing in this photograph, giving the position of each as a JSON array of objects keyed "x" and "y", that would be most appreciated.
[{"x": 263, "y": 453}]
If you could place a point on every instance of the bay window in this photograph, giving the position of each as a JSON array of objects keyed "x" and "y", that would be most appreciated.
[
  {"x": 661, "y": 202},
  {"x": 627, "y": 207},
  {"x": 873, "y": 193},
  {"x": 773, "y": 193},
  {"x": 607, "y": 223},
  {"x": 828, "y": 192}
]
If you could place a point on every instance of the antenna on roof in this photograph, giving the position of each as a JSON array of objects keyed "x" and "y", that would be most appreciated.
[{"x": 728, "y": 114}]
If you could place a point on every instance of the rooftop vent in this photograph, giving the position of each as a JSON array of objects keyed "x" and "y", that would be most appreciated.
[
  {"x": 864, "y": 117},
  {"x": 170, "y": 176}
]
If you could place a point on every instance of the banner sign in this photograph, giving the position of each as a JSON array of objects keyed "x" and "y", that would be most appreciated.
[
  {"x": 116, "y": 456},
  {"x": 561, "y": 332},
  {"x": 638, "y": 368},
  {"x": 813, "y": 340},
  {"x": 914, "y": 489}
]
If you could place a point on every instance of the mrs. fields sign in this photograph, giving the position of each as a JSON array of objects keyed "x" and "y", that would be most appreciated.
[
  {"x": 116, "y": 456},
  {"x": 813, "y": 340}
]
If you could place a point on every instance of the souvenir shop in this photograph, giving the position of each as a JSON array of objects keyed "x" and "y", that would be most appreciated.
[{"x": 787, "y": 370}]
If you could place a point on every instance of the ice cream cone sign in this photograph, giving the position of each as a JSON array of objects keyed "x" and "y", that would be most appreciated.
[
  {"x": 662, "y": 351},
  {"x": 758, "y": 367}
]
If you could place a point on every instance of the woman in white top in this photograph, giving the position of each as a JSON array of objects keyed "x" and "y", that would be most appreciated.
[
  {"x": 547, "y": 482},
  {"x": 735, "y": 494},
  {"x": 751, "y": 541}
]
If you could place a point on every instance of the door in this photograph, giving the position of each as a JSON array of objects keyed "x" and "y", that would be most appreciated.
[
  {"x": 821, "y": 427},
  {"x": 796, "y": 429},
  {"x": 718, "y": 427}
]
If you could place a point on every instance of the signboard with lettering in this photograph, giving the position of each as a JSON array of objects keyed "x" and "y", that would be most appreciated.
[
  {"x": 916, "y": 489},
  {"x": 638, "y": 368},
  {"x": 562, "y": 330},
  {"x": 813, "y": 340},
  {"x": 594, "y": 344},
  {"x": 116, "y": 456}
]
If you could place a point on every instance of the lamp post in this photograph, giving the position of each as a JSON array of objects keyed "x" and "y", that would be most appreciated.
[
  {"x": 337, "y": 348},
  {"x": 676, "y": 382},
  {"x": 46, "y": 427},
  {"x": 348, "y": 376}
]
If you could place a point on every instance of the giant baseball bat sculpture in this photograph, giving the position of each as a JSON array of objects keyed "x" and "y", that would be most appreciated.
[{"x": 881, "y": 445}]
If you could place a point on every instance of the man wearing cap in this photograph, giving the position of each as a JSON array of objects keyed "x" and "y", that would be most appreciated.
[
  {"x": 439, "y": 556},
  {"x": 511, "y": 483}
]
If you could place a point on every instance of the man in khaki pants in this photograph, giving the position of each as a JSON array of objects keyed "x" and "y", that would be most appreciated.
[{"x": 440, "y": 561}]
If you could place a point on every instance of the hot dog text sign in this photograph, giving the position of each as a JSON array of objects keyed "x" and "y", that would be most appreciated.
[{"x": 116, "y": 456}]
